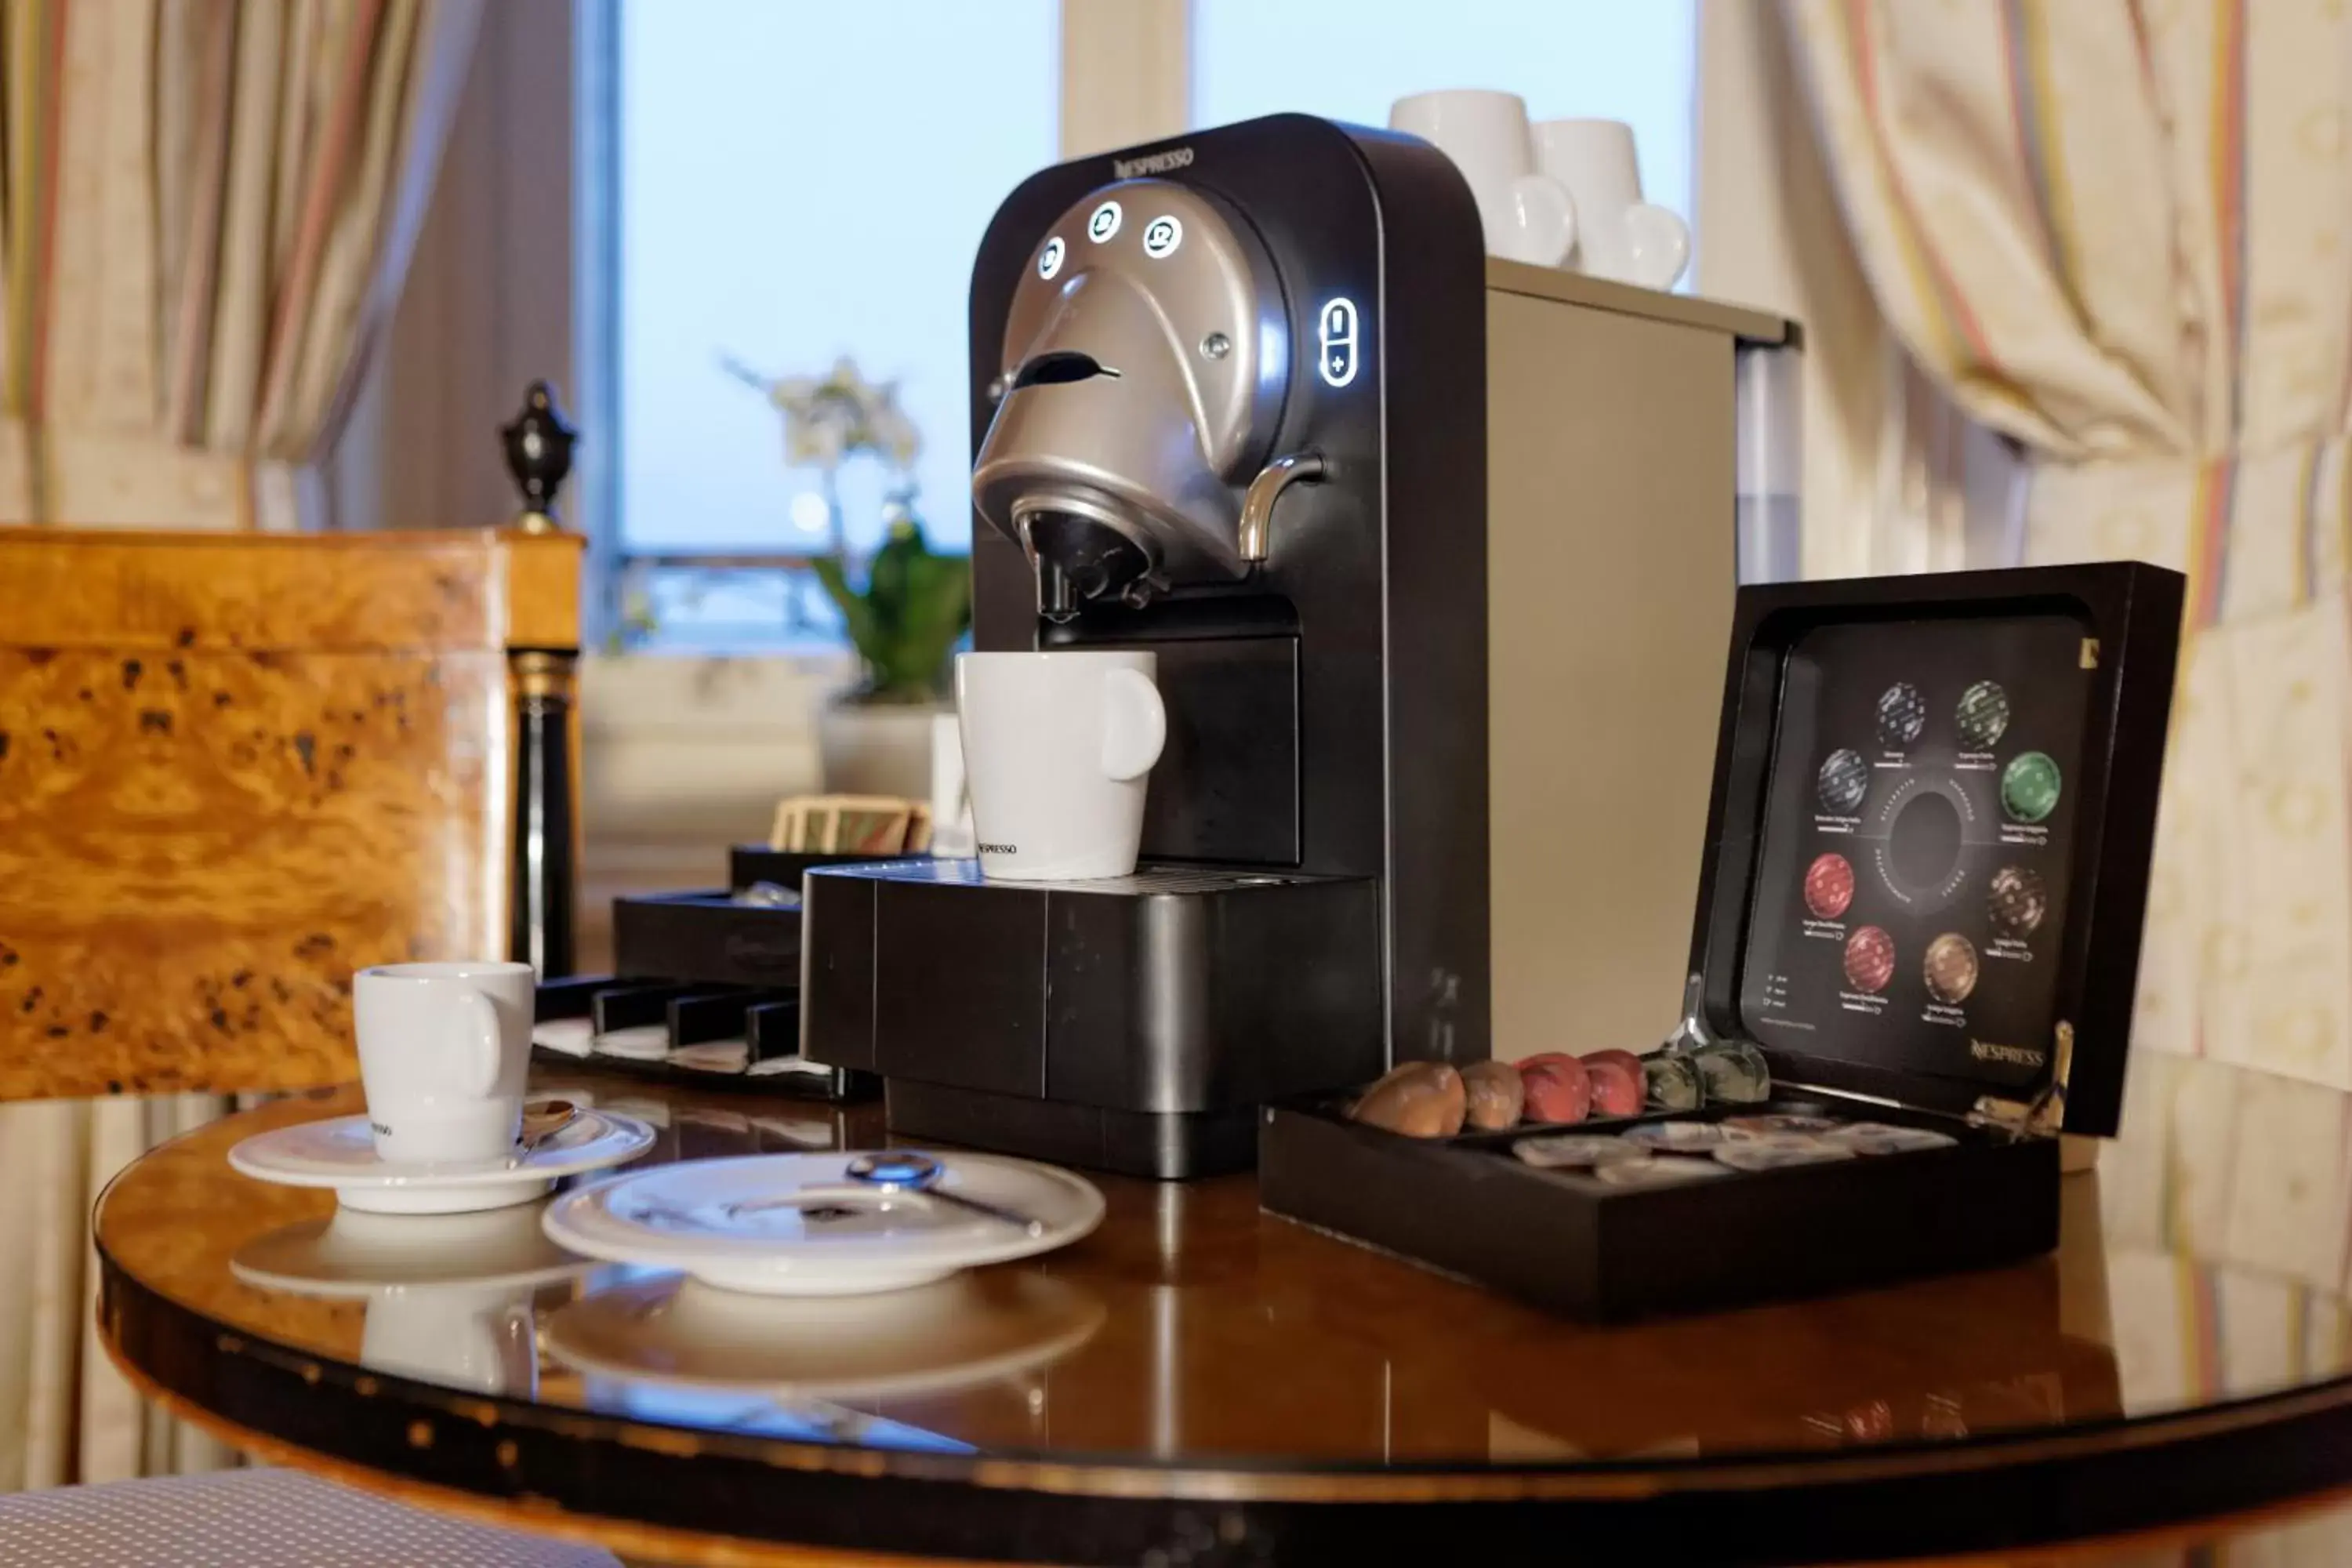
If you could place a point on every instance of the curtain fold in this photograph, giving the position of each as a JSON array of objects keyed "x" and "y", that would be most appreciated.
[
  {"x": 1897, "y": 478},
  {"x": 205, "y": 207},
  {"x": 2120, "y": 234}
]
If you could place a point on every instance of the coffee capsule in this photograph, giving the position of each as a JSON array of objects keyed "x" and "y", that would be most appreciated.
[
  {"x": 1773, "y": 1153},
  {"x": 1558, "y": 1087},
  {"x": 1675, "y": 1135},
  {"x": 1769, "y": 1122},
  {"x": 1618, "y": 1085},
  {"x": 1796, "y": 1142},
  {"x": 1420, "y": 1099},
  {"x": 1671, "y": 1083},
  {"x": 1884, "y": 1138},
  {"x": 1733, "y": 1073},
  {"x": 1577, "y": 1151},
  {"x": 1664, "y": 1171},
  {"x": 1496, "y": 1095}
]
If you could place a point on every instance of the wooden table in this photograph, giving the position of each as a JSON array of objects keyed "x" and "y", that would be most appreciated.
[{"x": 1200, "y": 1384}]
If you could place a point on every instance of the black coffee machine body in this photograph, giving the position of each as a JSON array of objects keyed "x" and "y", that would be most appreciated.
[
  {"x": 1162, "y": 341},
  {"x": 1231, "y": 402}
]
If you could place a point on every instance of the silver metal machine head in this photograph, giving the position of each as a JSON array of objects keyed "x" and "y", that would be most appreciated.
[{"x": 1145, "y": 360}]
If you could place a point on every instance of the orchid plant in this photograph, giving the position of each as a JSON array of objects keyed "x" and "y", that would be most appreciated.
[{"x": 914, "y": 605}]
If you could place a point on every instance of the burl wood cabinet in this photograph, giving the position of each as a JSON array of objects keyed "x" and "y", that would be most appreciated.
[{"x": 234, "y": 768}]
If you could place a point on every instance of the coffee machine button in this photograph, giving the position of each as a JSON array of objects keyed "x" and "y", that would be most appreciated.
[
  {"x": 1161, "y": 236},
  {"x": 1049, "y": 261},
  {"x": 1104, "y": 222},
  {"x": 1335, "y": 336}
]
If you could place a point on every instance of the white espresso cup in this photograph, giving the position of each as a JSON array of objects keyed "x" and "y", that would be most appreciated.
[
  {"x": 443, "y": 1049},
  {"x": 1527, "y": 215},
  {"x": 1057, "y": 750},
  {"x": 1618, "y": 235}
]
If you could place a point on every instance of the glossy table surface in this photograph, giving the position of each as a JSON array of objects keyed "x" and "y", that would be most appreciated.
[{"x": 1211, "y": 1384}]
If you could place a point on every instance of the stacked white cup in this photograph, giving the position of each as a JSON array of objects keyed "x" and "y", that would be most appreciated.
[{"x": 1564, "y": 192}]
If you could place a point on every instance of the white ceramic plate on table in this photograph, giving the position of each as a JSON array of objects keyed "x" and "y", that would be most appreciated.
[
  {"x": 340, "y": 1153},
  {"x": 796, "y": 1224}
]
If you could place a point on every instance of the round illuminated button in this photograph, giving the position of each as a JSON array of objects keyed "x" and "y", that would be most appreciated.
[
  {"x": 1161, "y": 236},
  {"x": 1049, "y": 261},
  {"x": 1104, "y": 222}
]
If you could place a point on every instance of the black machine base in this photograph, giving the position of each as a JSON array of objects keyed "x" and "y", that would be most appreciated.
[
  {"x": 1133, "y": 1024},
  {"x": 1172, "y": 1146}
]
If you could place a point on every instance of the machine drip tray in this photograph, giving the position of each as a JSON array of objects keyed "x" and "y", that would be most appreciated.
[{"x": 1139, "y": 1017}]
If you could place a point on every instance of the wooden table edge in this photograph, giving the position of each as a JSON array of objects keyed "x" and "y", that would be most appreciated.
[{"x": 660, "y": 1544}]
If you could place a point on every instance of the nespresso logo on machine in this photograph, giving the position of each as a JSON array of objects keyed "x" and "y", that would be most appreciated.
[
  {"x": 1152, "y": 162},
  {"x": 2018, "y": 1056}
]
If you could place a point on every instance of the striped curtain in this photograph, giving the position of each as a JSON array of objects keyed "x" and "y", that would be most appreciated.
[
  {"x": 2120, "y": 232},
  {"x": 205, "y": 207}
]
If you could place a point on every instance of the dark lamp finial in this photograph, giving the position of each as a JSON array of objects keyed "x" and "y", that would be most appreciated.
[{"x": 538, "y": 446}]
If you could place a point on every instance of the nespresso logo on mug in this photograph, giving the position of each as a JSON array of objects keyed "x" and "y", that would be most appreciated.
[
  {"x": 1152, "y": 162},
  {"x": 1000, "y": 849}
]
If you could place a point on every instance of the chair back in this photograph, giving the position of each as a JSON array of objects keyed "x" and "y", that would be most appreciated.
[{"x": 236, "y": 767}]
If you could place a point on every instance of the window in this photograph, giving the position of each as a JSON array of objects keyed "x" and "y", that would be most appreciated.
[
  {"x": 793, "y": 183},
  {"x": 780, "y": 184}
]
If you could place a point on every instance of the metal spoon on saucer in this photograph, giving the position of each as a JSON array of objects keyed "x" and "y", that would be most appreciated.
[
  {"x": 900, "y": 1172},
  {"x": 541, "y": 1119}
]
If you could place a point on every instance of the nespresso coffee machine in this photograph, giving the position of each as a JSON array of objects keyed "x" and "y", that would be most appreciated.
[{"x": 1437, "y": 555}]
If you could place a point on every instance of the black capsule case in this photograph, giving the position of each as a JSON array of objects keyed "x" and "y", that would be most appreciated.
[
  {"x": 1933, "y": 813},
  {"x": 707, "y": 966}
]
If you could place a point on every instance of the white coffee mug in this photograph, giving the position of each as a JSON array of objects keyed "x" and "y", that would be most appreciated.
[
  {"x": 1527, "y": 215},
  {"x": 1057, "y": 750},
  {"x": 1618, "y": 235},
  {"x": 443, "y": 1049}
]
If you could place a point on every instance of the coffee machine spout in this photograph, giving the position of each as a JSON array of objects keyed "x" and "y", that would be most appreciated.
[
  {"x": 1056, "y": 601},
  {"x": 1256, "y": 531}
]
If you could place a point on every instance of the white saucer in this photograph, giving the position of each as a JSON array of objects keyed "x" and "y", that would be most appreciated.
[
  {"x": 932, "y": 1339},
  {"x": 794, "y": 1224},
  {"x": 340, "y": 1153}
]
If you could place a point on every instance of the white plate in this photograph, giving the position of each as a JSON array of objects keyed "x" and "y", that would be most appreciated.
[
  {"x": 946, "y": 1335},
  {"x": 794, "y": 1224},
  {"x": 340, "y": 1153}
]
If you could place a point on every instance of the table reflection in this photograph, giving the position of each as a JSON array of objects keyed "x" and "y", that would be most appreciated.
[
  {"x": 2225, "y": 1209},
  {"x": 448, "y": 1297}
]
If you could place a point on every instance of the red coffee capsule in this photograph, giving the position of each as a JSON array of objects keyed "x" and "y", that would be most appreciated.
[
  {"x": 1618, "y": 1085},
  {"x": 1545, "y": 1058},
  {"x": 1558, "y": 1088}
]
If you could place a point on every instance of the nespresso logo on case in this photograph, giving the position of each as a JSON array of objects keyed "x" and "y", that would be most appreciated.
[
  {"x": 750, "y": 951},
  {"x": 2023, "y": 1056},
  {"x": 1152, "y": 162}
]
